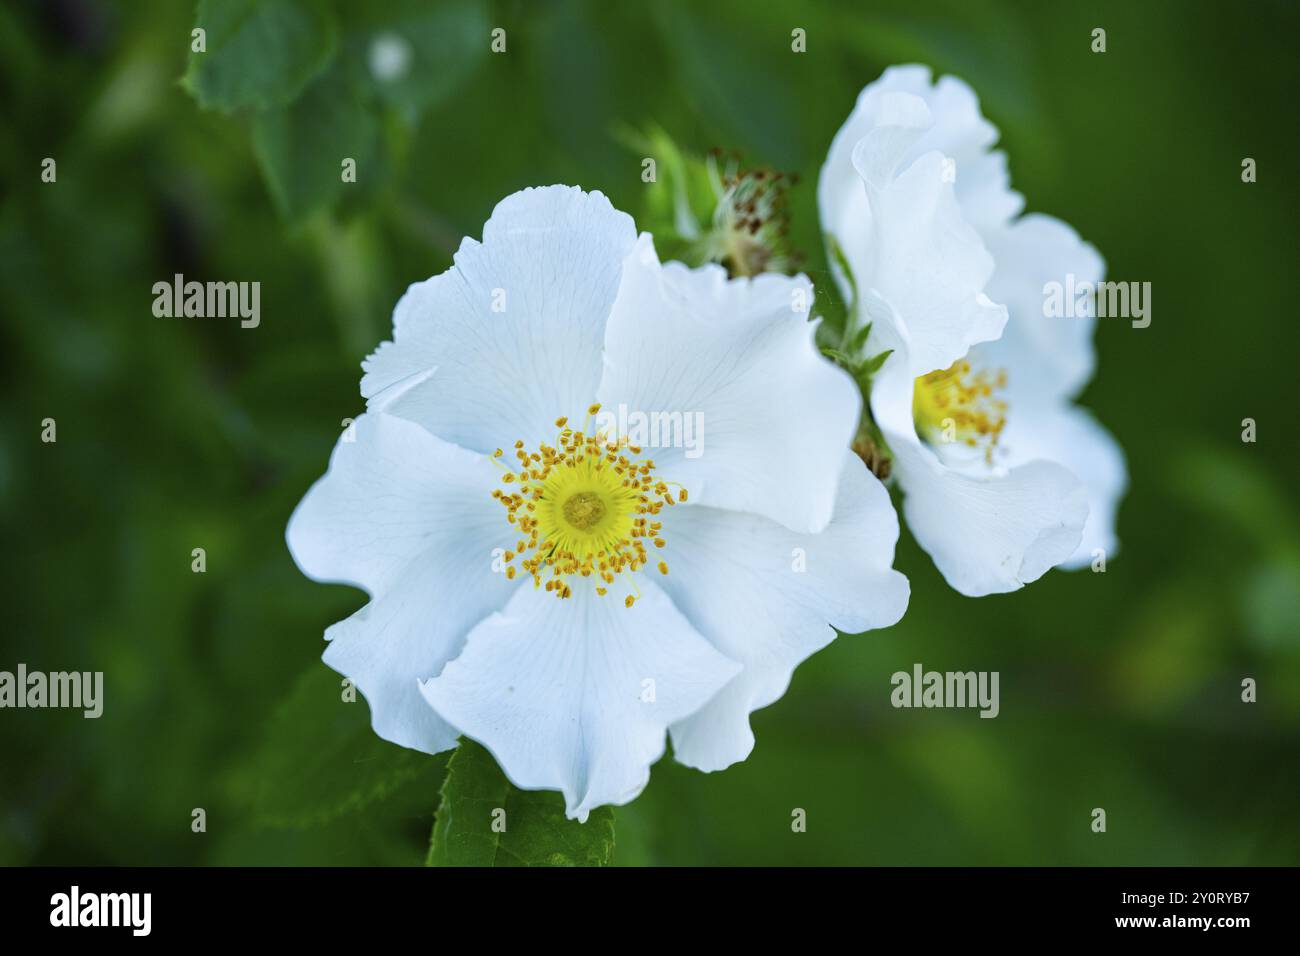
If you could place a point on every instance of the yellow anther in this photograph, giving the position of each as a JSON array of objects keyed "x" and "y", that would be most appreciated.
[
  {"x": 956, "y": 405},
  {"x": 581, "y": 510}
]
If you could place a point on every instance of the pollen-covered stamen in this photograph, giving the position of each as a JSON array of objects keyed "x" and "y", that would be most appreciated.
[
  {"x": 957, "y": 405},
  {"x": 585, "y": 506}
]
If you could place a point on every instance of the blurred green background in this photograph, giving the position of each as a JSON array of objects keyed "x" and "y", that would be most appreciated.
[{"x": 1119, "y": 690}]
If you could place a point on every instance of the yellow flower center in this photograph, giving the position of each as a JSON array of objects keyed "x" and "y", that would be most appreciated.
[
  {"x": 584, "y": 506},
  {"x": 584, "y": 510},
  {"x": 958, "y": 405}
]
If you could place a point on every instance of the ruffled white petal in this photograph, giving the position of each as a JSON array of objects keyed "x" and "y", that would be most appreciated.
[
  {"x": 900, "y": 122},
  {"x": 737, "y": 356},
  {"x": 901, "y": 225},
  {"x": 932, "y": 267},
  {"x": 960, "y": 131},
  {"x": 576, "y": 695},
  {"x": 989, "y": 532},
  {"x": 769, "y": 598},
  {"x": 509, "y": 338},
  {"x": 1070, "y": 436},
  {"x": 956, "y": 129},
  {"x": 918, "y": 252},
  {"x": 409, "y": 633},
  {"x": 409, "y": 518},
  {"x": 1046, "y": 356},
  {"x": 990, "y": 535}
]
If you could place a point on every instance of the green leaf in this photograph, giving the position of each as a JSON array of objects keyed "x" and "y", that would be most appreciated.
[
  {"x": 841, "y": 358},
  {"x": 746, "y": 100},
  {"x": 320, "y": 758},
  {"x": 301, "y": 148},
  {"x": 842, "y": 262},
  {"x": 259, "y": 53},
  {"x": 872, "y": 365},
  {"x": 859, "y": 340},
  {"x": 476, "y": 795},
  {"x": 418, "y": 53},
  {"x": 681, "y": 200}
]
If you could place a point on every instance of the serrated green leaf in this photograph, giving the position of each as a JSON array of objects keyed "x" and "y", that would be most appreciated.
[
  {"x": 534, "y": 831},
  {"x": 320, "y": 759},
  {"x": 301, "y": 148},
  {"x": 259, "y": 54}
]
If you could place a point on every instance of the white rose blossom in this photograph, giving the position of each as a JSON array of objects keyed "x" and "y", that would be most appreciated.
[
  {"x": 1004, "y": 477},
  {"x": 559, "y": 594}
]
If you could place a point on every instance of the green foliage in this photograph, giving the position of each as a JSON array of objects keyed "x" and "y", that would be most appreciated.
[
  {"x": 259, "y": 54},
  {"x": 530, "y": 827},
  {"x": 320, "y": 758},
  {"x": 680, "y": 200},
  {"x": 852, "y": 359},
  {"x": 712, "y": 209},
  {"x": 294, "y": 143},
  {"x": 442, "y": 44},
  {"x": 841, "y": 263},
  {"x": 1119, "y": 689},
  {"x": 315, "y": 80}
]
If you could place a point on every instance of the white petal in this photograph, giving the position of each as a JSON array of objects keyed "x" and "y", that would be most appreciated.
[
  {"x": 995, "y": 534},
  {"x": 984, "y": 191},
  {"x": 508, "y": 339},
  {"x": 1046, "y": 356},
  {"x": 961, "y": 132},
  {"x": 409, "y": 633},
  {"x": 739, "y": 358},
  {"x": 769, "y": 598},
  {"x": 986, "y": 533},
  {"x": 557, "y": 689},
  {"x": 387, "y": 498},
  {"x": 909, "y": 223},
  {"x": 931, "y": 266},
  {"x": 409, "y": 518},
  {"x": 955, "y": 128},
  {"x": 1070, "y": 436},
  {"x": 901, "y": 120}
]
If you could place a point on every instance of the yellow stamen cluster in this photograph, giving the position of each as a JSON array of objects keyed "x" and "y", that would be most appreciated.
[
  {"x": 586, "y": 506},
  {"x": 958, "y": 405}
]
